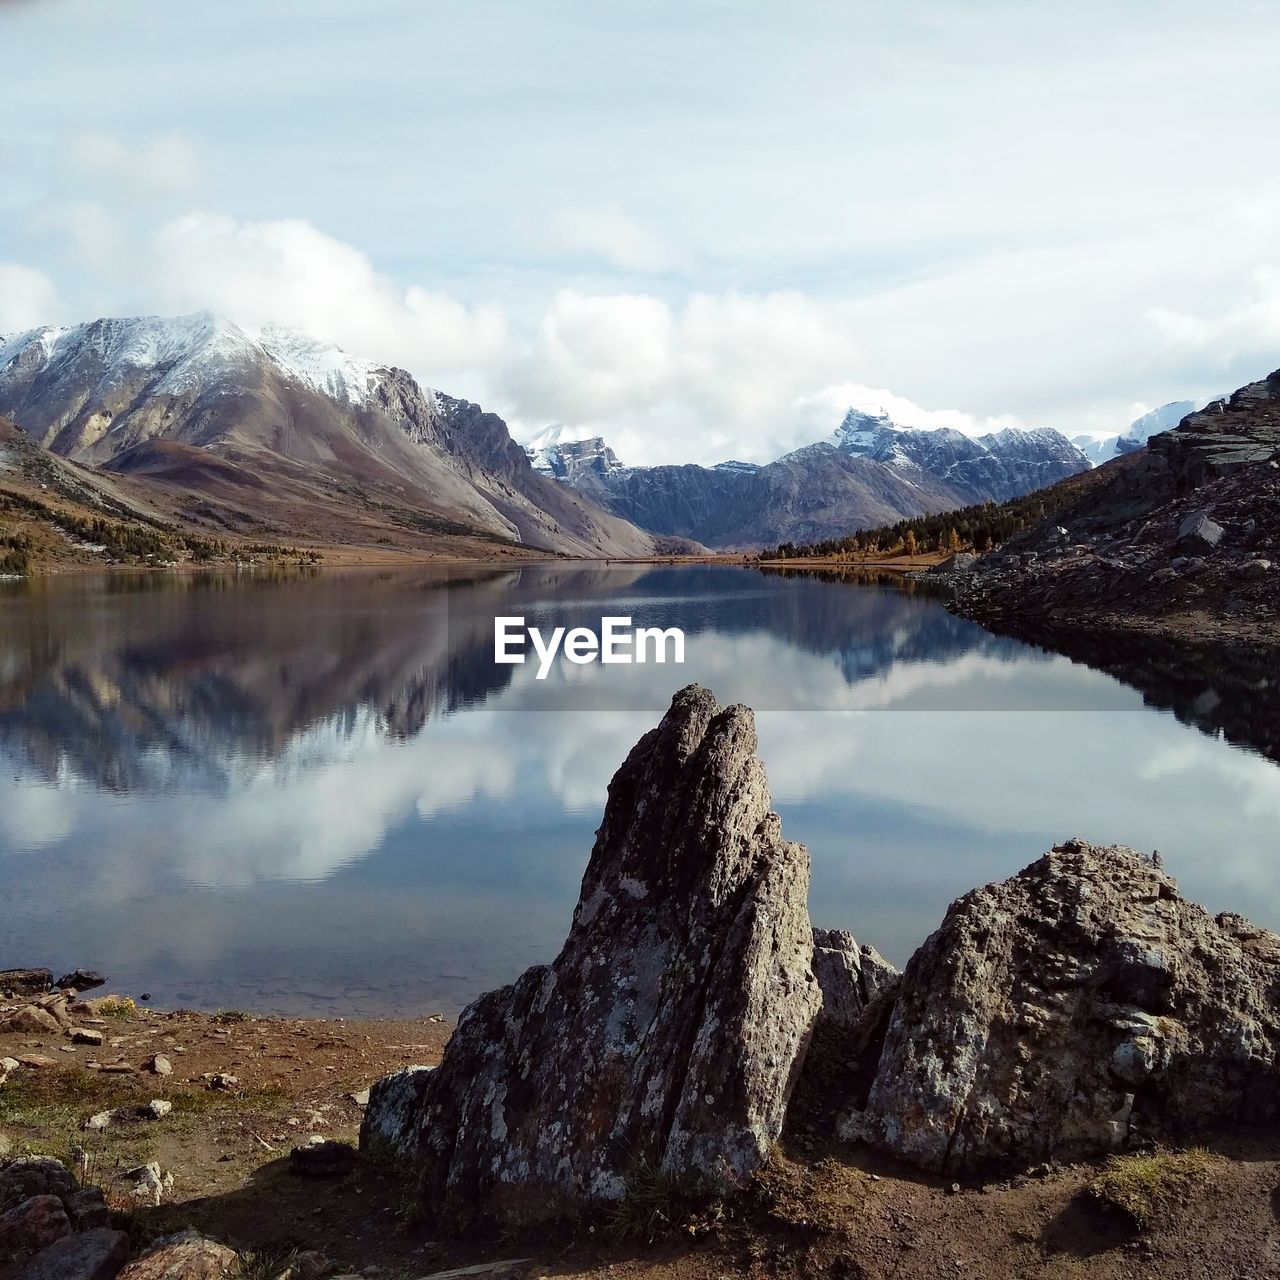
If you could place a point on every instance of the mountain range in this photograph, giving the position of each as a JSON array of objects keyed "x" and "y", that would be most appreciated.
[
  {"x": 869, "y": 472},
  {"x": 269, "y": 432}
]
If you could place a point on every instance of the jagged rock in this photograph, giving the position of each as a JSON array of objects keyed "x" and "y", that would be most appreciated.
[
  {"x": 1198, "y": 533},
  {"x": 160, "y": 1065},
  {"x": 1069, "y": 1009},
  {"x": 667, "y": 1033},
  {"x": 850, "y": 976},
  {"x": 86, "y": 1035},
  {"x": 186, "y": 1256},
  {"x": 81, "y": 980},
  {"x": 91, "y": 1255},
  {"x": 32, "y": 1020},
  {"x": 32, "y": 1224},
  {"x": 25, "y": 982}
]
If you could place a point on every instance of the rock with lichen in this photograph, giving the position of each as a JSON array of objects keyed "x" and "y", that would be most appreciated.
[{"x": 665, "y": 1037}]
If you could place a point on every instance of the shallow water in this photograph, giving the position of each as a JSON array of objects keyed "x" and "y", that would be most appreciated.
[{"x": 320, "y": 795}]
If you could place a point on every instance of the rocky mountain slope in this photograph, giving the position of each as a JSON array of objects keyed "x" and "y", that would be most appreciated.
[
  {"x": 273, "y": 428},
  {"x": 870, "y": 472},
  {"x": 1183, "y": 538}
]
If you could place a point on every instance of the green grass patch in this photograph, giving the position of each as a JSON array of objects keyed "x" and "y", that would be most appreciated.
[{"x": 1142, "y": 1186}]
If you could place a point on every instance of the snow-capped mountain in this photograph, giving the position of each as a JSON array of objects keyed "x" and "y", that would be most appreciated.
[
  {"x": 273, "y": 423},
  {"x": 1000, "y": 465},
  {"x": 868, "y": 472},
  {"x": 566, "y": 452},
  {"x": 1100, "y": 449},
  {"x": 1165, "y": 418}
]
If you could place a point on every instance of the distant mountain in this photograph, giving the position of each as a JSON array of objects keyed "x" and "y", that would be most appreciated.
[
  {"x": 1101, "y": 449},
  {"x": 270, "y": 429},
  {"x": 869, "y": 472},
  {"x": 1165, "y": 418}
]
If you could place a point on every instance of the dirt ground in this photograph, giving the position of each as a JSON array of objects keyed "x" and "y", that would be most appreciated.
[{"x": 821, "y": 1209}]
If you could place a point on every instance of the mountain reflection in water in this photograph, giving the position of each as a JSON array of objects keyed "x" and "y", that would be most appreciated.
[{"x": 320, "y": 793}]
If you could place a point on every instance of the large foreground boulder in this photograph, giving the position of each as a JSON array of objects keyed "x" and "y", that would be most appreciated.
[
  {"x": 1067, "y": 1011},
  {"x": 665, "y": 1038}
]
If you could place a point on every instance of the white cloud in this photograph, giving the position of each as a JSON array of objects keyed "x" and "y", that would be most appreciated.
[
  {"x": 614, "y": 236},
  {"x": 165, "y": 162},
  {"x": 289, "y": 272},
  {"x": 27, "y": 298},
  {"x": 1250, "y": 326}
]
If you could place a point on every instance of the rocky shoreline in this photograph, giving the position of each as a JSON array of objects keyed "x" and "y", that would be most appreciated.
[
  {"x": 1078, "y": 1050},
  {"x": 1183, "y": 542}
]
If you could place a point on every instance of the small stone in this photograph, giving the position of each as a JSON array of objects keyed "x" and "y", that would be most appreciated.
[
  {"x": 953, "y": 1189},
  {"x": 320, "y": 1159},
  {"x": 92, "y": 1255},
  {"x": 160, "y": 1065},
  {"x": 222, "y": 1080},
  {"x": 96, "y": 1123},
  {"x": 38, "y": 1061},
  {"x": 360, "y": 1097},
  {"x": 117, "y": 1069},
  {"x": 86, "y": 1035},
  {"x": 158, "y": 1108}
]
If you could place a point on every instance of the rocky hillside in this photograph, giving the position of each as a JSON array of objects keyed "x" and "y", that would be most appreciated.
[
  {"x": 274, "y": 428},
  {"x": 869, "y": 473},
  {"x": 1184, "y": 538}
]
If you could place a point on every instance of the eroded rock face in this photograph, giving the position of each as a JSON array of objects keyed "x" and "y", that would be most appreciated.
[
  {"x": 668, "y": 1032},
  {"x": 1070, "y": 1009},
  {"x": 850, "y": 976}
]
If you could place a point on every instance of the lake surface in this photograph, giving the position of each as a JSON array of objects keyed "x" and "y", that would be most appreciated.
[{"x": 321, "y": 795}]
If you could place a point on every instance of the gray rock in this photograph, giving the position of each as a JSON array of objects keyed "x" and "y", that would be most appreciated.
[
  {"x": 1063, "y": 1011},
  {"x": 91, "y": 1255},
  {"x": 86, "y": 1035},
  {"x": 1198, "y": 533},
  {"x": 158, "y": 1108},
  {"x": 393, "y": 1109},
  {"x": 851, "y": 976},
  {"x": 668, "y": 1032},
  {"x": 160, "y": 1065},
  {"x": 961, "y": 562}
]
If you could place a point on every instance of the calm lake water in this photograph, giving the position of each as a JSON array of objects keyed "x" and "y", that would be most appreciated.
[{"x": 321, "y": 795}]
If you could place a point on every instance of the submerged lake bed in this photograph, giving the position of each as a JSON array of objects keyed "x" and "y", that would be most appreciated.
[{"x": 321, "y": 795}]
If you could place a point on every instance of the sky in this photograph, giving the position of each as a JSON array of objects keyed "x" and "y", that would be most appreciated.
[{"x": 701, "y": 229}]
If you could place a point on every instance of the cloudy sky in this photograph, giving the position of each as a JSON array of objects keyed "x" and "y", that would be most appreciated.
[{"x": 702, "y": 228}]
